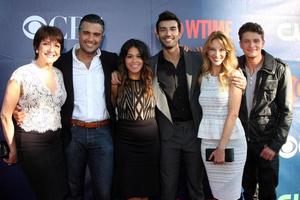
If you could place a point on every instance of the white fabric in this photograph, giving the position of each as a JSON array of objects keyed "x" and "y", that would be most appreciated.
[
  {"x": 89, "y": 90},
  {"x": 214, "y": 103},
  {"x": 41, "y": 107},
  {"x": 226, "y": 180}
]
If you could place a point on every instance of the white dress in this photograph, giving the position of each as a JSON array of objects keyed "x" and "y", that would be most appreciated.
[{"x": 225, "y": 180}]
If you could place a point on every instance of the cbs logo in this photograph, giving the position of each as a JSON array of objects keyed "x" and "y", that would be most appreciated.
[
  {"x": 32, "y": 24},
  {"x": 67, "y": 23},
  {"x": 290, "y": 148}
]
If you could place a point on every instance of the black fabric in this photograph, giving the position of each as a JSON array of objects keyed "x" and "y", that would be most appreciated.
[
  {"x": 181, "y": 150},
  {"x": 137, "y": 150},
  {"x": 41, "y": 157},
  {"x": 229, "y": 154},
  {"x": 260, "y": 171},
  {"x": 109, "y": 62},
  {"x": 4, "y": 149},
  {"x": 172, "y": 80},
  {"x": 271, "y": 115}
]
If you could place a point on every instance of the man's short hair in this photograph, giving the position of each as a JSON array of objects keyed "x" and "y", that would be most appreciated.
[
  {"x": 167, "y": 16},
  {"x": 92, "y": 18},
  {"x": 251, "y": 27}
]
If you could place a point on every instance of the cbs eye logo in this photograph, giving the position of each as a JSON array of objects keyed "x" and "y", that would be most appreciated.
[
  {"x": 32, "y": 24},
  {"x": 290, "y": 148}
]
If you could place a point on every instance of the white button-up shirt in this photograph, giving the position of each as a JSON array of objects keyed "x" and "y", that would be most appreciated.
[{"x": 89, "y": 89}]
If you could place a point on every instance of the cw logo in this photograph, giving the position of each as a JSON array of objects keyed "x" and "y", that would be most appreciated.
[
  {"x": 289, "y": 31},
  {"x": 70, "y": 23},
  {"x": 289, "y": 197},
  {"x": 290, "y": 148}
]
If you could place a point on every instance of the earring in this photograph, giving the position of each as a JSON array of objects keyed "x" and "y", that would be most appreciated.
[{"x": 36, "y": 51}]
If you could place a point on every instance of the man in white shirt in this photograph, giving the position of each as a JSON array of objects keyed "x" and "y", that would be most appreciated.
[{"x": 87, "y": 115}]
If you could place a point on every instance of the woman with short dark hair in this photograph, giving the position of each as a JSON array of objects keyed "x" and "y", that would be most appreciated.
[{"x": 36, "y": 143}]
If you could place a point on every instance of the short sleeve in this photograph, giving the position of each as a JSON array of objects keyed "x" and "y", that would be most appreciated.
[{"x": 17, "y": 76}]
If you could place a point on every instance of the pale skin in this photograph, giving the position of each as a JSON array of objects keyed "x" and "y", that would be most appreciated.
[
  {"x": 48, "y": 53},
  {"x": 252, "y": 43},
  {"x": 216, "y": 55}
]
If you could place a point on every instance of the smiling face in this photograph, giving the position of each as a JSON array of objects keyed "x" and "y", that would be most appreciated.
[
  {"x": 134, "y": 63},
  {"x": 48, "y": 51},
  {"x": 216, "y": 53},
  {"x": 168, "y": 33},
  {"x": 252, "y": 44},
  {"x": 90, "y": 37}
]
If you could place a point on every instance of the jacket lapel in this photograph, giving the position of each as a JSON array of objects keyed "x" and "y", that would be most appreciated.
[
  {"x": 159, "y": 95},
  {"x": 191, "y": 74}
]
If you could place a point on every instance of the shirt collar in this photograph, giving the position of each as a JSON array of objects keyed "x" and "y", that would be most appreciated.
[{"x": 161, "y": 58}]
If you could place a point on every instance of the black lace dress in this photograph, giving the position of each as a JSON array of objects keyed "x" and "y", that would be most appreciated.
[{"x": 136, "y": 145}]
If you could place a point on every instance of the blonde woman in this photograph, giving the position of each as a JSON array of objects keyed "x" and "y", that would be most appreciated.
[{"x": 222, "y": 134}]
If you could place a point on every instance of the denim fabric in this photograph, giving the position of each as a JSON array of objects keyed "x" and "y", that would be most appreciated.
[{"x": 92, "y": 148}]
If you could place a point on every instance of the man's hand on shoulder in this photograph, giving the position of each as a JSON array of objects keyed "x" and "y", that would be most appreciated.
[
  {"x": 115, "y": 78},
  {"x": 238, "y": 79}
]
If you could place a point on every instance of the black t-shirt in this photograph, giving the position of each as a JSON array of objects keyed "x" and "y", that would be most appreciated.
[{"x": 173, "y": 82}]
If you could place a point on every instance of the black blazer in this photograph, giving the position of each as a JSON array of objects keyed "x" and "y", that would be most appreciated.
[
  {"x": 193, "y": 63},
  {"x": 65, "y": 64}
]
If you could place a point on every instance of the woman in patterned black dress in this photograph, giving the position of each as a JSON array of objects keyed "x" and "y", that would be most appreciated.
[{"x": 136, "y": 139}]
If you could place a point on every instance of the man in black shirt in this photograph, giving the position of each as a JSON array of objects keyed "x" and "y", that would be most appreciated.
[
  {"x": 179, "y": 113},
  {"x": 176, "y": 91}
]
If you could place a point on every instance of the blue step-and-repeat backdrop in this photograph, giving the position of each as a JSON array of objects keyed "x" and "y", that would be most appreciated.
[{"x": 136, "y": 19}]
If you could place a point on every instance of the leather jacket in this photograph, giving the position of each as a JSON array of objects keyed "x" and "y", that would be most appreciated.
[{"x": 271, "y": 115}]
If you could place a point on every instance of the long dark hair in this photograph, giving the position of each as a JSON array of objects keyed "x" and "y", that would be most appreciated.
[{"x": 146, "y": 71}]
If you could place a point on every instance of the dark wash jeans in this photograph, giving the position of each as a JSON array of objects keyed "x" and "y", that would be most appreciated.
[
  {"x": 93, "y": 148},
  {"x": 260, "y": 171}
]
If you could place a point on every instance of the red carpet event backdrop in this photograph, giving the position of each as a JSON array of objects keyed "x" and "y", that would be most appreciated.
[{"x": 280, "y": 19}]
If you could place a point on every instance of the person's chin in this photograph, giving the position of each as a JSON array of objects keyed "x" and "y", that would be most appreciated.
[
  {"x": 90, "y": 50},
  {"x": 168, "y": 46}
]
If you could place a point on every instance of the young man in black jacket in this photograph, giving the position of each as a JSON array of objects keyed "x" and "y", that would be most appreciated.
[{"x": 266, "y": 112}]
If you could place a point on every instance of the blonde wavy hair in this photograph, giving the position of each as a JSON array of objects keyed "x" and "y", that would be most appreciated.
[{"x": 230, "y": 62}]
